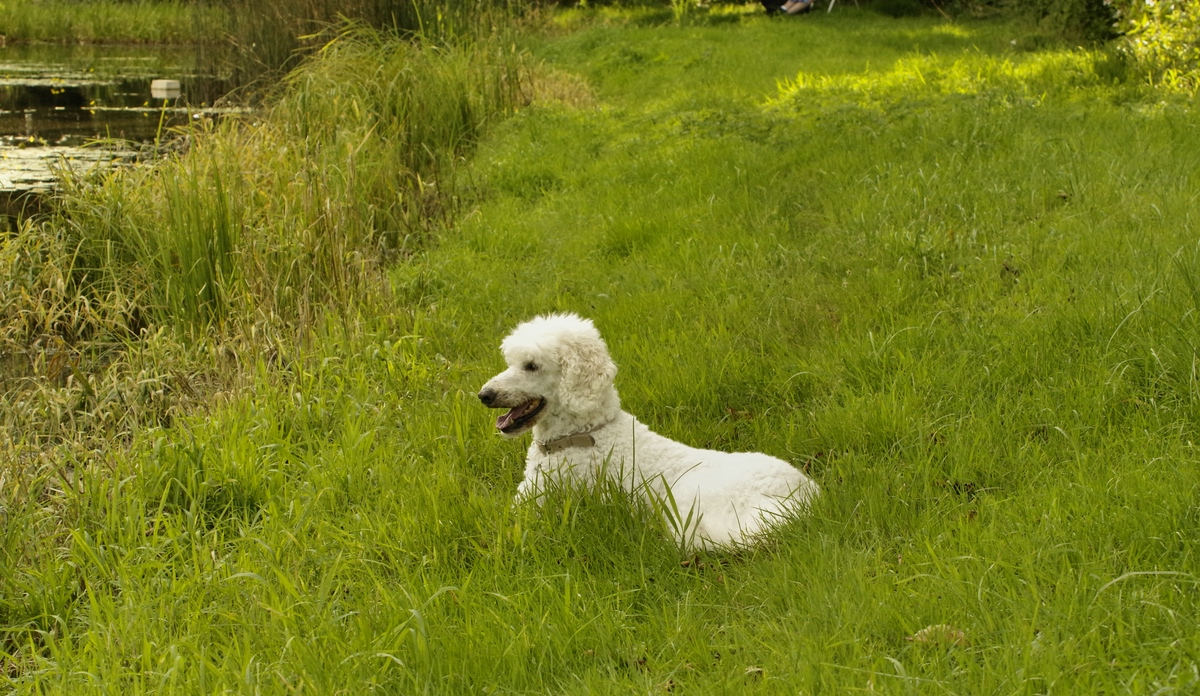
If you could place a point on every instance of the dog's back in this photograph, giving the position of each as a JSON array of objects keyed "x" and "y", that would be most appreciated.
[
  {"x": 729, "y": 497},
  {"x": 735, "y": 495}
]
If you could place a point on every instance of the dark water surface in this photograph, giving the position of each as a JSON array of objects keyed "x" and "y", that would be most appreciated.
[{"x": 61, "y": 106}]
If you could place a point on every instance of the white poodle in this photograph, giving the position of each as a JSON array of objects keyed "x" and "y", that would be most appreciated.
[{"x": 559, "y": 382}]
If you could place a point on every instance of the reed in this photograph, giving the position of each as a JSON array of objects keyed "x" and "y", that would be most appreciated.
[
  {"x": 270, "y": 40},
  {"x": 301, "y": 207}
]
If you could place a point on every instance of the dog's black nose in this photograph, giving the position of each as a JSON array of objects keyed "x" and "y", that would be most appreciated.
[{"x": 487, "y": 396}]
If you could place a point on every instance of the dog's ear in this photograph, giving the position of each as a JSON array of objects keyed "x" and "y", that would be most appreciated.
[{"x": 587, "y": 372}]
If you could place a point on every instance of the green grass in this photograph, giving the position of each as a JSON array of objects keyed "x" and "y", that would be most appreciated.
[
  {"x": 106, "y": 21},
  {"x": 953, "y": 278}
]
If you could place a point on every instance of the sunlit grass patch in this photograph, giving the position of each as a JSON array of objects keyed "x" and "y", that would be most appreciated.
[
  {"x": 956, "y": 30},
  {"x": 1026, "y": 78}
]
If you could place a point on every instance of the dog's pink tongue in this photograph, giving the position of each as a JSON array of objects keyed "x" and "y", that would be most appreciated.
[
  {"x": 506, "y": 420},
  {"x": 513, "y": 414}
]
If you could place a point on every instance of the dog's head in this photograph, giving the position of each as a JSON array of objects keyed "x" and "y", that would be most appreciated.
[{"x": 558, "y": 373}]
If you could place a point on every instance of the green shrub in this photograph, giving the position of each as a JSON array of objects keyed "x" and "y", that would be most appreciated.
[{"x": 1163, "y": 38}]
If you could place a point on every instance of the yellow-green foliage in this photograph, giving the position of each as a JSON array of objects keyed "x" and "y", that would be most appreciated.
[
  {"x": 1024, "y": 78},
  {"x": 1164, "y": 37}
]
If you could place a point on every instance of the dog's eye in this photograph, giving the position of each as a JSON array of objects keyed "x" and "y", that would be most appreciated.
[{"x": 531, "y": 367}]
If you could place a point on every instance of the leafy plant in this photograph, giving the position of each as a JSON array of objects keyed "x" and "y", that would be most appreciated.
[{"x": 1163, "y": 38}]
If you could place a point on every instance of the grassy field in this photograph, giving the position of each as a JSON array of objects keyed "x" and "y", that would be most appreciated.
[{"x": 951, "y": 270}]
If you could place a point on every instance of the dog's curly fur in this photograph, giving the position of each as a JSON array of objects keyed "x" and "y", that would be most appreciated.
[{"x": 559, "y": 383}]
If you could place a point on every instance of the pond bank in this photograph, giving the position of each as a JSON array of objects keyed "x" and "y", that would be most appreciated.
[{"x": 81, "y": 107}]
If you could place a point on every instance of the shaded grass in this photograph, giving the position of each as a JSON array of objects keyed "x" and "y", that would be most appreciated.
[{"x": 957, "y": 286}]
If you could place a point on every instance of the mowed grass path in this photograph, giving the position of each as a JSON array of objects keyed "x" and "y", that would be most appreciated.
[{"x": 954, "y": 278}]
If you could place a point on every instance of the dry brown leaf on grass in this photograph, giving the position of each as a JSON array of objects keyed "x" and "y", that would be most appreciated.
[
  {"x": 939, "y": 634},
  {"x": 552, "y": 86}
]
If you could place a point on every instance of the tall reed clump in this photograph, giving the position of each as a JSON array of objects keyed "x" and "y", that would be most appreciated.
[
  {"x": 297, "y": 210},
  {"x": 270, "y": 38},
  {"x": 148, "y": 286}
]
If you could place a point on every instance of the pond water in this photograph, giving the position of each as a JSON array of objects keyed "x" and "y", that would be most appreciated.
[{"x": 91, "y": 106}]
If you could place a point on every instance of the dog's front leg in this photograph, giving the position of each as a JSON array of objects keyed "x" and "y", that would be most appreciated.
[
  {"x": 531, "y": 485},
  {"x": 528, "y": 488}
]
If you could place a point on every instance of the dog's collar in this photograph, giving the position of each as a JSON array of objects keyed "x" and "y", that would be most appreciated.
[{"x": 583, "y": 439}]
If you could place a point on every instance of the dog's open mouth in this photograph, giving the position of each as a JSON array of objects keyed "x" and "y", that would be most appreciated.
[{"x": 517, "y": 419}]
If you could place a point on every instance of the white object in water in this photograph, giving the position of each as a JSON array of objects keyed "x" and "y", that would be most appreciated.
[{"x": 164, "y": 89}]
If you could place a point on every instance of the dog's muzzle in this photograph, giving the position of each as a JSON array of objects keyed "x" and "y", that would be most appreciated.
[{"x": 517, "y": 418}]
